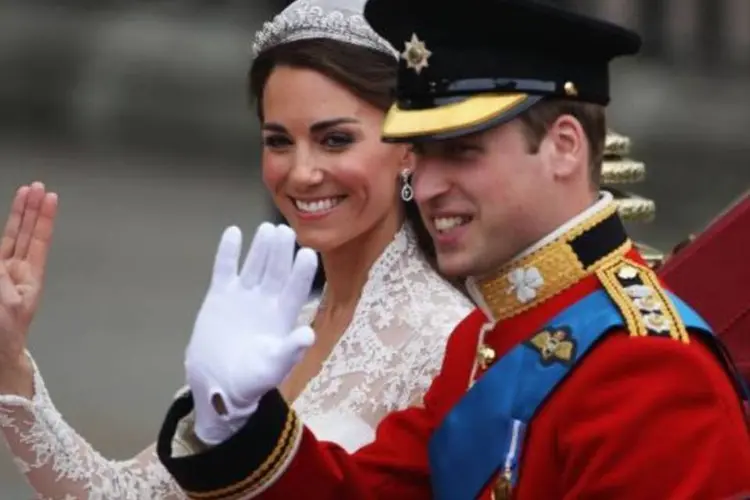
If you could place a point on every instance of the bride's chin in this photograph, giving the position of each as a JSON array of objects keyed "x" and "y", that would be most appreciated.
[
  {"x": 323, "y": 238},
  {"x": 322, "y": 241}
]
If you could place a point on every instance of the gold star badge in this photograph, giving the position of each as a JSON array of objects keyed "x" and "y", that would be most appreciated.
[
  {"x": 554, "y": 346},
  {"x": 416, "y": 54}
]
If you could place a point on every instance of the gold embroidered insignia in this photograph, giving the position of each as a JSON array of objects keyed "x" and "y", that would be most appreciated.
[
  {"x": 556, "y": 345},
  {"x": 416, "y": 54},
  {"x": 643, "y": 303}
]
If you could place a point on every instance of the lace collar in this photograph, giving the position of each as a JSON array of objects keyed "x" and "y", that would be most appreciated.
[{"x": 404, "y": 243}]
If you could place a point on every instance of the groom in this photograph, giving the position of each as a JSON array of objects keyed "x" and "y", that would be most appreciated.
[{"x": 579, "y": 376}]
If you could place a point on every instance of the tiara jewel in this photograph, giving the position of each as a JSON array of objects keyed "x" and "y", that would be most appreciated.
[{"x": 340, "y": 20}]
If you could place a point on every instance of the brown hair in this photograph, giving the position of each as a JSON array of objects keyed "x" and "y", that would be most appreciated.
[
  {"x": 368, "y": 74},
  {"x": 542, "y": 115}
]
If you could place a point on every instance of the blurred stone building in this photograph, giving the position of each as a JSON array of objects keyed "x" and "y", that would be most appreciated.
[{"x": 136, "y": 112}]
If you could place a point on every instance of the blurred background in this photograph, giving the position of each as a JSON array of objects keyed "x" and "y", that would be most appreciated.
[{"x": 135, "y": 113}]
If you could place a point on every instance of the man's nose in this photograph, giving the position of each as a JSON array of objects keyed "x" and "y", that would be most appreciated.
[{"x": 429, "y": 181}]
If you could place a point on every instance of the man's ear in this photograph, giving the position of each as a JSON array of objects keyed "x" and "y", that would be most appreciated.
[{"x": 567, "y": 146}]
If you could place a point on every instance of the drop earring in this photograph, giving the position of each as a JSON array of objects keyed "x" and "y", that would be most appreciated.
[{"x": 407, "y": 192}]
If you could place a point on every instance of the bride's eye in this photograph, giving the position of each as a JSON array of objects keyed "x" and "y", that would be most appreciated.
[
  {"x": 337, "y": 140},
  {"x": 276, "y": 141}
]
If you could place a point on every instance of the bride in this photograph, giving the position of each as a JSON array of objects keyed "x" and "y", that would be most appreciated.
[{"x": 322, "y": 80}]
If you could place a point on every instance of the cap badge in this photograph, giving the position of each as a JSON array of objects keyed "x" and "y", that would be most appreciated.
[{"x": 416, "y": 54}]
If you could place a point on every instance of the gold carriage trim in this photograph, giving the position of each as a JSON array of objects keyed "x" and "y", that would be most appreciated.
[
  {"x": 653, "y": 257},
  {"x": 622, "y": 171},
  {"x": 268, "y": 472},
  {"x": 636, "y": 209},
  {"x": 644, "y": 305},
  {"x": 527, "y": 282},
  {"x": 618, "y": 169},
  {"x": 616, "y": 144}
]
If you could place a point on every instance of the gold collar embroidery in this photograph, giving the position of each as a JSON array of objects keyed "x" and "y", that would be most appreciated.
[{"x": 525, "y": 283}]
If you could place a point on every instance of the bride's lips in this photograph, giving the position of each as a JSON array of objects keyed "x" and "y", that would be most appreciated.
[{"x": 316, "y": 208}]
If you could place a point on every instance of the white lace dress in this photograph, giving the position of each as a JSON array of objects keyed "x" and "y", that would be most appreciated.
[{"x": 384, "y": 361}]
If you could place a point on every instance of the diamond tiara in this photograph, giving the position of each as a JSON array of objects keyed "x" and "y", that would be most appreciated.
[{"x": 340, "y": 20}]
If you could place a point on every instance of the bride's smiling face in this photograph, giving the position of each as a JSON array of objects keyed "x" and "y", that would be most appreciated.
[{"x": 323, "y": 161}]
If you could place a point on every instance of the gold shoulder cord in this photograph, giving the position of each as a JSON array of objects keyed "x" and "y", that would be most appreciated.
[{"x": 644, "y": 305}]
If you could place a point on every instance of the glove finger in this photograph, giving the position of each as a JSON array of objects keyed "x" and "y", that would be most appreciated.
[
  {"x": 279, "y": 261},
  {"x": 299, "y": 340},
  {"x": 227, "y": 257},
  {"x": 299, "y": 285},
  {"x": 257, "y": 256}
]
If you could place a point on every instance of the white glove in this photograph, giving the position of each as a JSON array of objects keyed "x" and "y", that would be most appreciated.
[{"x": 245, "y": 340}]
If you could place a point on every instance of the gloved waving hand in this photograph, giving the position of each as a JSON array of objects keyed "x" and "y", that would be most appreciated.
[{"x": 246, "y": 340}]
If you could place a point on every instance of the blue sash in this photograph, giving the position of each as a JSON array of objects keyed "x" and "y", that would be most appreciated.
[{"x": 484, "y": 432}]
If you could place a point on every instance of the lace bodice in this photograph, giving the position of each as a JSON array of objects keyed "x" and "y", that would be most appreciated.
[
  {"x": 384, "y": 361},
  {"x": 391, "y": 350}
]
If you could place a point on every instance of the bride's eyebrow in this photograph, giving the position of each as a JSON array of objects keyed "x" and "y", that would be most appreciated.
[
  {"x": 314, "y": 128},
  {"x": 326, "y": 124}
]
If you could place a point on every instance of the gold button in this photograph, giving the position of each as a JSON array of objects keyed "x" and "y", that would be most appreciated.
[
  {"x": 485, "y": 356},
  {"x": 570, "y": 89}
]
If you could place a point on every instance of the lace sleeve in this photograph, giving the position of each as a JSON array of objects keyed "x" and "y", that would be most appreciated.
[{"x": 59, "y": 464}]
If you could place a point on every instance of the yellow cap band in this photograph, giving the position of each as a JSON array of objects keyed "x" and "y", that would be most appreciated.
[{"x": 471, "y": 112}]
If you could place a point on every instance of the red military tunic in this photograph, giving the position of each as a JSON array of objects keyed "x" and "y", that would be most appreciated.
[{"x": 642, "y": 415}]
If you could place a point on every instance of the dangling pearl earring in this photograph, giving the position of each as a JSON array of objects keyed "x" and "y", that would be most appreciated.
[{"x": 407, "y": 193}]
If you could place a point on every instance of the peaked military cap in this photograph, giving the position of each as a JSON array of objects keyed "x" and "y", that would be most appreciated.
[{"x": 470, "y": 65}]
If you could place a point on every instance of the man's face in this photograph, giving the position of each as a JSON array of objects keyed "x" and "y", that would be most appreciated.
[{"x": 478, "y": 196}]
